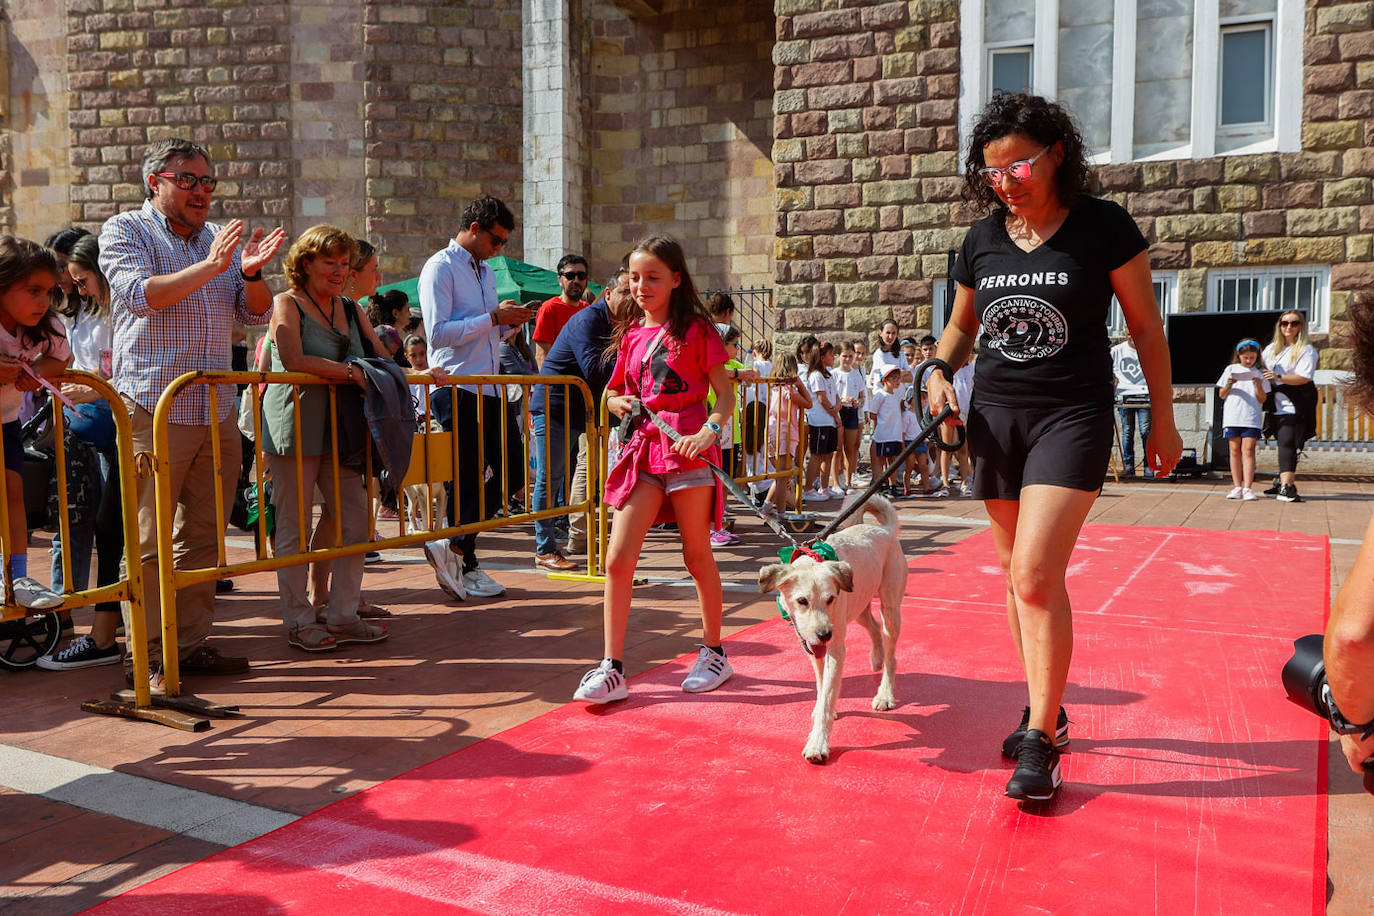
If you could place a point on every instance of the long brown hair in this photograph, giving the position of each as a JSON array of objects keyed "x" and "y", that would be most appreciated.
[{"x": 684, "y": 304}]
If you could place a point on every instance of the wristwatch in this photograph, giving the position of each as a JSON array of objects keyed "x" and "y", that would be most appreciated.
[
  {"x": 714, "y": 428},
  {"x": 250, "y": 278},
  {"x": 1340, "y": 724}
]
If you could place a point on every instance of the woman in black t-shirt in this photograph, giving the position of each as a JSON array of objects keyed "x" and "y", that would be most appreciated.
[{"x": 1038, "y": 273}]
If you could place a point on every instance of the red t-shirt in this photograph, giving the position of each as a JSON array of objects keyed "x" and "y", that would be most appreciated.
[{"x": 552, "y": 316}]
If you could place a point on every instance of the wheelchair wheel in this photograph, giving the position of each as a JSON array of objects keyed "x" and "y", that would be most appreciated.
[{"x": 25, "y": 640}]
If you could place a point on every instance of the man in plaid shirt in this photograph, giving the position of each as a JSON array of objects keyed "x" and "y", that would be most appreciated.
[{"x": 177, "y": 285}]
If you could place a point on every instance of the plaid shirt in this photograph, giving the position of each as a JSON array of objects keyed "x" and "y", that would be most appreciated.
[{"x": 152, "y": 348}]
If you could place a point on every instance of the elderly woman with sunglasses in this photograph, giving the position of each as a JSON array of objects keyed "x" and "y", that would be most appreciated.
[
  {"x": 1291, "y": 365},
  {"x": 1038, "y": 273}
]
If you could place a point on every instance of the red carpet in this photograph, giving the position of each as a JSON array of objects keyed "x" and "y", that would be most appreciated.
[{"x": 1192, "y": 786}]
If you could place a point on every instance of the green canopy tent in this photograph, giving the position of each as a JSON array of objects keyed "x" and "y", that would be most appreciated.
[{"x": 516, "y": 280}]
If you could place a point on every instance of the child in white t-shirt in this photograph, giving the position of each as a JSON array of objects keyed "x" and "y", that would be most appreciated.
[
  {"x": 1244, "y": 390},
  {"x": 917, "y": 461},
  {"x": 885, "y": 412}
]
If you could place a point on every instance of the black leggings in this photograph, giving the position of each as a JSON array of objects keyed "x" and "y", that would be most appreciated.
[
  {"x": 109, "y": 534},
  {"x": 1288, "y": 434}
]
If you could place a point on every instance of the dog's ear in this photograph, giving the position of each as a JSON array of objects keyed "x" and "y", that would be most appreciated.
[
  {"x": 844, "y": 574},
  {"x": 770, "y": 577}
]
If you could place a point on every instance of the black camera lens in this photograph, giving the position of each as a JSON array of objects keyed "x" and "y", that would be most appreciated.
[{"x": 1304, "y": 676}]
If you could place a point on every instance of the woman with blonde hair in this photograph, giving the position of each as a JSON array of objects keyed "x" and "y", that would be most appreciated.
[
  {"x": 1290, "y": 366},
  {"x": 316, "y": 329}
]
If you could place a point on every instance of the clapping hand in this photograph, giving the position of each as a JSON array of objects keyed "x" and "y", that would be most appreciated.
[{"x": 260, "y": 248}]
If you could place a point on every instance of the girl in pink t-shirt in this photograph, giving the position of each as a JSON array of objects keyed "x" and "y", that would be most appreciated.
[{"x": 669, "y": 359}]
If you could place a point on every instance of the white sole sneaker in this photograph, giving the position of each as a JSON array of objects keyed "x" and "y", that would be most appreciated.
[
  {"x": 602, "y": 684},
  {"x": 441, "y": 558},
  {"x": 31, "y": 594},
  {"x": 478, "y": 584},
  {"x": 709, "y": 672}
]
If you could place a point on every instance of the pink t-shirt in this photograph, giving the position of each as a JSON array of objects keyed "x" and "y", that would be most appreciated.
[{"x": 674, "y": 383}]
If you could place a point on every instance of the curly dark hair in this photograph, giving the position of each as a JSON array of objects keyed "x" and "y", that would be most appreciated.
[
  {"x": 1360, "y": 388},
  {"x": 385, "y": 308},
  {"x": 1043, "y": 121},
  {"x": 487, "y": 211}
]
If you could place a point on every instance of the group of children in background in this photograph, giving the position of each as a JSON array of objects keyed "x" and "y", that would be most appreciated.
[{"x": 841, "y": 395}]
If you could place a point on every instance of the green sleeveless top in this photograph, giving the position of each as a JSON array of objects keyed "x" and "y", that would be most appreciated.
[{"x": 278, "y": 414}]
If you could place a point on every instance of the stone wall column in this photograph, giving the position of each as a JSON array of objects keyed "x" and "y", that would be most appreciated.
[{"x": 552, "y": 134}]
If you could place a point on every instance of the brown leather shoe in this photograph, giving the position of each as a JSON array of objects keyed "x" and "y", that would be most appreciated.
[
  {"x": 207, "y": 660},
  {"x": 555, "y": 561}
]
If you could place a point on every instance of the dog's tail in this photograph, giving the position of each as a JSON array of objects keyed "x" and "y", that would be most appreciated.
[{"x": 878, "y": 507}]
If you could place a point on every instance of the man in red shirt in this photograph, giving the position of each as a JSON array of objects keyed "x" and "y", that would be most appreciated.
[{"x": 554, "y": 313}]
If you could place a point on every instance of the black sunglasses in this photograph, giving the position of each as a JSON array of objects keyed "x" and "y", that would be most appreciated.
[{"x": 574, "y": 275}]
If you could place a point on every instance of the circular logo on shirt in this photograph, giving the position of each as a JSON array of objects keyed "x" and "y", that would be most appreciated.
[{"x": 1025, "y": 328}]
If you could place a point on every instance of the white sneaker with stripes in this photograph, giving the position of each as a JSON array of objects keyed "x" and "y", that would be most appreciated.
[{"x": 709, "y": 672}]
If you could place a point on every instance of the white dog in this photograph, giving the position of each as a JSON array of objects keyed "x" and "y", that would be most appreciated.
[{"x": 823, "y": 597}]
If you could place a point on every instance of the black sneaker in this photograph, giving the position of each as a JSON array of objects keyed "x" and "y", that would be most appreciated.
[
  {"x": 1274, "y": 488},
  {"x": 1288, "y": 493},
  {"x": 1037, "y": 773},
  {"x": 1012, "y": 743},
  {"x": 82, "y": 653}
]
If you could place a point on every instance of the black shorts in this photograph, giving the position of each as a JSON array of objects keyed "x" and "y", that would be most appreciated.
[
  {"x": 887, "y": 449},
  {"x": 1015, "y": 447},
  {"x": 14, "y": 447},
  {"x": 849, "y": 417},
  {"x": 823, "y": 440}
]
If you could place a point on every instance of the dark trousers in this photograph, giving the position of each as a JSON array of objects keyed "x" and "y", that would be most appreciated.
[
  {"x": 1288, "y": 436},
  {"x": 460, "y": 416}
]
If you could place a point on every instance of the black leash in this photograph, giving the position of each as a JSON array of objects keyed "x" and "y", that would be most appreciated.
[{"x": 945, "y": 415}]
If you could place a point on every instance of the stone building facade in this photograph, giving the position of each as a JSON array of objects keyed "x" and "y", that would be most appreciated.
[
  {"x": 598, "y": 121},
  {"x": 807, "y": 145}
]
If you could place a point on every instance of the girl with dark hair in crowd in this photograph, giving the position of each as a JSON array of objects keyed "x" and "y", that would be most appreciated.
[
  {"x": 1038, "y": 273},
  {"x": 1290, "y": 367},
  {"x": 90, "y": 334},
  {"x": 805, "y": 347},
  {"x": 32, "y": 346},
  {"x": 886, "y": 354},
  {"x": 668, "y": 360},
  {"x": 60, "y": 243}
]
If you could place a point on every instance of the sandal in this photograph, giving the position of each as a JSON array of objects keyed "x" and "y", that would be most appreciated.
[
  {"x": 358, "y": 632},
  {"x": 312, "y": 639},
  {"x": 369, "y": 611}
]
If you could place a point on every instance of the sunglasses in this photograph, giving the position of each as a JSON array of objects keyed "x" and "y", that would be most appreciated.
[
  {"x": 1290, "y": 324},
  {"x": 1020, "y": 170},
  {"x": 497, "y": 241},
  {"x": 186, "y": 180},
  {"x": 575, "y": 275}
]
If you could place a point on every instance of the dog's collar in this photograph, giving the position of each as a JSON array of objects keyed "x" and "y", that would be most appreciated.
[{"x": 820, "y": 551}]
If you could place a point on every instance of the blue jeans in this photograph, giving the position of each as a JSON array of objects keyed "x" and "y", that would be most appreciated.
[
  {"x": 550, "y": 479},
  {"x": 1133, "y": 419}
]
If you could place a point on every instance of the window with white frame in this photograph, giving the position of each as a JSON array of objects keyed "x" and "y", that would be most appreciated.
[
  {"x": 1009, "y": 69},
  {"x": 1249, "y": 290},
  {"x": 1166, "y": 296},
  {"x": 1147, "y": 79}
]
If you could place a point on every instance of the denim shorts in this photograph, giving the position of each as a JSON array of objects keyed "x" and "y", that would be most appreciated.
[
  {"x": 1240, "y": 432},
  {"x": 673, "y": 481}
]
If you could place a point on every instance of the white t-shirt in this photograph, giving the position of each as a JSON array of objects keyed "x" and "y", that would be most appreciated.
[
  {"x": 1241, "y": 408},
  {"x": 817, "y": 415},
  {"x": 754, "y": 391},
  {"x": 1289, "y": 362},
  {"x": 911, "y": 425},
  {"x": 88, "y": 334},
  {"x": 11, "y": 398},
  {"x": 882, "y": 361},
  {"x": 851, "y": 386},
  {"x": 886, "y": 410},
  {"x": 963, "y": 387},
  {"x": 1130, "y": 378}
]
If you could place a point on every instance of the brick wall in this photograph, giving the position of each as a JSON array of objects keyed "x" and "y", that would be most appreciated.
[
  {"x": 35, "y": 159},
  {"x": 442, "y": 110},
  {"x": 218, "y": 74},
  {"x": 865, "y": 153},
  {"x": 680, "y": 134},
  {"x": 868, "y": 178}
]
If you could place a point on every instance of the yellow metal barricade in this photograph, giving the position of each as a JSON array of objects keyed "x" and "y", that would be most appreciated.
[
  {"x": 759, "y": 437},
  {"x": 130, "y": 585},
  {"x": 435, "y": 459}
]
